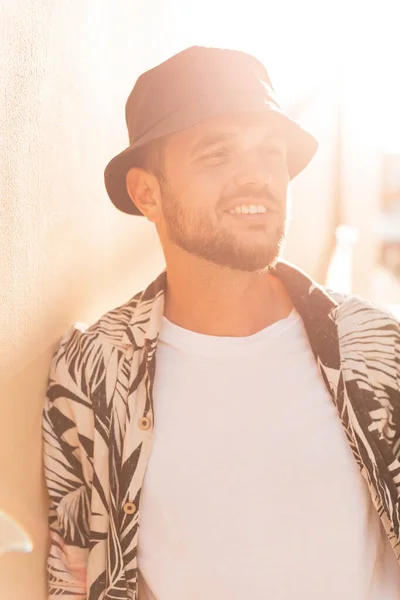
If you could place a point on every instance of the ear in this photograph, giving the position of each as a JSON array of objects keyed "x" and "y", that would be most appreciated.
[{"x": 144, "y": 191}]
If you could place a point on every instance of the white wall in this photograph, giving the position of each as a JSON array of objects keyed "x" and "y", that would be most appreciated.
[{"x": 65, "y": 253}]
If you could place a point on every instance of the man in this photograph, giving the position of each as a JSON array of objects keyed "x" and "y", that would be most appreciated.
[{"x": 233, "y": 431}]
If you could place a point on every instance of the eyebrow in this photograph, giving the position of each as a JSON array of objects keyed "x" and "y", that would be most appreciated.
[{"x": 212, "y": 139}]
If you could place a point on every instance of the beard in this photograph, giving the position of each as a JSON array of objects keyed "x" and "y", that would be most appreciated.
[{"x": 194, "y": 230}]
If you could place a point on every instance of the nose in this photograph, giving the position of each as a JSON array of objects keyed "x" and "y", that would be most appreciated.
[{"x": 252, "y": 170}]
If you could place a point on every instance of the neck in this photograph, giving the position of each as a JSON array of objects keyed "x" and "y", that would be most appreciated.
[{"x": 215, "y": 300}]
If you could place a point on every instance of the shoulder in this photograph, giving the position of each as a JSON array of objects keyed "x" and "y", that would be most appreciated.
[
  {"x": 84, "y": 349},
  {"x": 356, "y": 316},
  {"x": 109, "y": 328}
]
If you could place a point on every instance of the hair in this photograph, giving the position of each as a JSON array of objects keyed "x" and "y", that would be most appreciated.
[{"x": 151, "y": 158}]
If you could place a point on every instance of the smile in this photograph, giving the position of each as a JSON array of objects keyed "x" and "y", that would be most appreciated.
[{"x": 248, "y": 209}]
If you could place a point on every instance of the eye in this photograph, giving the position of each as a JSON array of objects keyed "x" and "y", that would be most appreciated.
[
  {"x": 273, "y": 150},
  {"x": 270, "y": 151},
  {"x": 217, "y": 155}
]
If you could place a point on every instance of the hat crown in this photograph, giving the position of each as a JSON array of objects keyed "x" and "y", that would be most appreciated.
[{"x": 187, "y": 76}]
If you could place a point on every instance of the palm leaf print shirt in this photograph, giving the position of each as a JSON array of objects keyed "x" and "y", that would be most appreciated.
[{"x": 98, "y": 424}]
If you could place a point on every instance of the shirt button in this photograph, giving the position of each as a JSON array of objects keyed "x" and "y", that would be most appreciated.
[
  {"x": 129, "y": 508},
  {"x": 144, "y": 423}
]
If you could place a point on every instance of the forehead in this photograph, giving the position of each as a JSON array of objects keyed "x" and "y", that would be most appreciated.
[{"x": 252, "y": 127}]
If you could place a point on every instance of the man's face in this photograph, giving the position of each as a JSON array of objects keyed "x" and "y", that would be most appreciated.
[{"x": 224, "y": 192}]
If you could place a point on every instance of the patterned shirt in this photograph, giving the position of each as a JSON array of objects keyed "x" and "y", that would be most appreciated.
[{"x": 98, "y": 425}]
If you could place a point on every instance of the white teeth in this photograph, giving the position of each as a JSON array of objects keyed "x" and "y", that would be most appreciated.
[{"x": 245, "y": 209}]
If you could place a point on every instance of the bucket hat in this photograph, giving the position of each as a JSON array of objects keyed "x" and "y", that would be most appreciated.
[{"x": 194, "y": 85}]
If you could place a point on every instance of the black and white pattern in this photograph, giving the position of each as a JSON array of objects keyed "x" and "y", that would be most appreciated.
[{"x": 96, "y": 448}]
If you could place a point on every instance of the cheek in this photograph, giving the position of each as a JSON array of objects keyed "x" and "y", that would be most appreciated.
[
  {"x": 204, "y": 189},
  {"x": 281, "y": 181}
]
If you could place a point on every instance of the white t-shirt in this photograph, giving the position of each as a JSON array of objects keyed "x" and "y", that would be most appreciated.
[{"x": 251, "y": 490}]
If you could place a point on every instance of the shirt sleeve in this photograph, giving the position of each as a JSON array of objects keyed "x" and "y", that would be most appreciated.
[{"x": 68, "y": 491}]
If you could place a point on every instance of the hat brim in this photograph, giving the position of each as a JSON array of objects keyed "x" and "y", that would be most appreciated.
[{"x": 301, "y": 145}]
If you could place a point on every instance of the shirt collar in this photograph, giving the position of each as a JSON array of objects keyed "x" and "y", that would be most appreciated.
[{"x": 312, "y": 301}]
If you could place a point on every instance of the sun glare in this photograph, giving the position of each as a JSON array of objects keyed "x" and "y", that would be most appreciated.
[{"x": 345, "y": 46}]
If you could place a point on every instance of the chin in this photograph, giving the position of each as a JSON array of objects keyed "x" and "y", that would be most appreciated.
[{"x": 249, "y": 264}]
